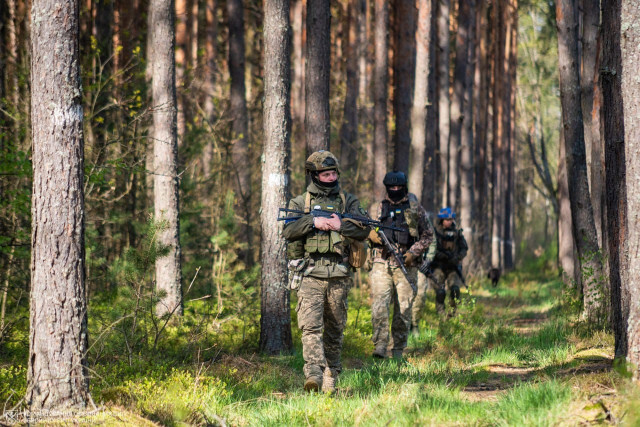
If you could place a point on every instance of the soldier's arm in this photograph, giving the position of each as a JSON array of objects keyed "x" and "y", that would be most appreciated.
[
  {"x": 354, "y": 229},
  {"x": 464, "y": 248},
  {"x": 296, "y": 230},
  {"x": 426, "y": 234}
]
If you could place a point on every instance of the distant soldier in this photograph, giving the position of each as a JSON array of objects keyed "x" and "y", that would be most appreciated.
[
  {"x": 446, "y": 268},
  {"x": 422, "y": 284},
  {"x": 388, "y": 283},
  {"x": 319, "y": 250}
]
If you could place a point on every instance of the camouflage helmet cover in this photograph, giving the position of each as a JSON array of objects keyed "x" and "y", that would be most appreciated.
[
  {"x": 322, "y": 161},
  {"x": 446, "y": 213}
]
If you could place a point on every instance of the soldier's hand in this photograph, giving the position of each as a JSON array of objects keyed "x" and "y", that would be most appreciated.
[
  {"x": 409, "y": 259},
  {"x": 334, "y": 222},
  {"x": 321, "y": 223},
  {"x": 375, "y": 238}
]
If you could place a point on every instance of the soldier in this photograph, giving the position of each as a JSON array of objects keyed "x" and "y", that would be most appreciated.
[
  {"x": 323, "y": 245},
  {"x": 388, "y": 283},
  {"x": 446, "y": 266},
  {"x": 422, "y": 285}
]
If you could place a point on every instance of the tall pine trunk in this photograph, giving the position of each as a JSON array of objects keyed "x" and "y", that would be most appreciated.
[
  {"x": 380, "y": 78},
  {"x": 317, "y": 125},
  {"x": 443, "y": 98},
  {"x": 275, "y": 320},
  {"x": 630, "y": 88},
  {"x": 613, "y": 131},
  {"x": 584, "y": 229},
  {"x": 239, "y": 119},
  {"x": 417, "y": 167},
  {"x": 165, "y": 140},
  {"x": 57, "y": 378},
  {"x": 403, "y": 75},
  {"x": 349, "y": 128}
]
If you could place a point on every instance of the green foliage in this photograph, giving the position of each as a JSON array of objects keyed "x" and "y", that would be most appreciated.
[{"x": 13, "y": 384}]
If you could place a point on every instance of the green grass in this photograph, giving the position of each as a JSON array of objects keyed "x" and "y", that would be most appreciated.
[{"x": 509, "y": 357}]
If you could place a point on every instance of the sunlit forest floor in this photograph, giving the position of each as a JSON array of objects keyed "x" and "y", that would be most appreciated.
[{"x": 513, "y": 355}]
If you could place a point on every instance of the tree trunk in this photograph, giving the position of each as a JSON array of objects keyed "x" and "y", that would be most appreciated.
[
  {"x": 584, "y": 229},
  {"x": 497, "y": 148},
  {"x": 566, "y": 246},
  {"x": 239, "y": 127},
  {"x": 613, "y": 131},
  {"x": 466, "y": 205},
  {"x": 209, "y": 87},
  {"x": 417, "y": 168},
  {"x": 165, "y": 184},
  {"x": 349, "y": 128},
  {"x": 511, "y": 20},
  {"x": 317, "y": 125},
  {"x": 181, "y": 63},
  {"x": 429, "y": 179},
  {"x": 404, "y": 76},
  {"x": 589, "y": 88},
  {"x": 275, "y": 320},
  {"x": 629, "y": 46},
  {"x": 442, "y": 59},
  {"x": 298, "y": 8},
  {"x": 380, "y": 78},
  {"x": 465, "y": 13},
  {"x": 57, "y": 378},
  {"x": 481, "y": 118}
]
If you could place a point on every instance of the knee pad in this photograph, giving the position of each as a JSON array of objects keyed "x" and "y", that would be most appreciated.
[
  {"x": 441, "y": 294},
  {"x": 455, "y": 291}
]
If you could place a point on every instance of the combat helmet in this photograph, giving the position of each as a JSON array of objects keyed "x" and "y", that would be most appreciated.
[
  {"x": 446, "y": 213},
  {"x": 395, "y": 178},
  {"x": 321, "y": 161}
]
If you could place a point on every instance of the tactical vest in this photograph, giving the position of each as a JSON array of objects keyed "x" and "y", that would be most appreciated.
[
  {"x": 447, "y": 239},
  {"x": 319, "y": 241},
  {"x": 405, "y": 216}
]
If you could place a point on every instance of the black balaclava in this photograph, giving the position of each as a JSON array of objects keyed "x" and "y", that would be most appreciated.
[
  {"x": 397, "y": 195},
  {"x": 326, "y": 186}
]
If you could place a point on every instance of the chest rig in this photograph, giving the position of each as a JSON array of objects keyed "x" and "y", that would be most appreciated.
[
  {"x": 447, "y": 239},
  {"x": 403, "y": 216},
  {"x": 319, "y": 241}
]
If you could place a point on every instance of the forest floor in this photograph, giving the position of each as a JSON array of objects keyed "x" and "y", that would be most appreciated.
[{"x": 513, "y": 355}]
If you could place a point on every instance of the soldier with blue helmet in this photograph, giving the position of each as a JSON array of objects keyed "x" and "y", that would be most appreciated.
[{"x": 445, "y": 269}]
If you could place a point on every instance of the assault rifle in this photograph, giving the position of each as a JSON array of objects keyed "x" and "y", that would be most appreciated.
[
  {"x": 321, "y": 213},
  {"x": 398, "y": 258}
]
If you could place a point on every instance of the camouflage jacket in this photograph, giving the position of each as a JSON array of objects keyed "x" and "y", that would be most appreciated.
[
  {"x": 301, "y": 233},
  {"x": 422, "y": 231}
]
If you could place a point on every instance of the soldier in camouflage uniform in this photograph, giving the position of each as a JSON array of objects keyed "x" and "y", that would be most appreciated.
[
  {"x": 423, "y": 284},
  {"x": 323, "y": 244},
  {"x": 452, "y": 248},
  {"x": 388, "y": 284}
]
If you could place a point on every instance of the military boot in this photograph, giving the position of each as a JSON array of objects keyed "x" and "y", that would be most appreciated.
[
  {"x": 380, "y": 352},
  {"x": 313, "y": 384},
  {"x": 329, "y": 379}
]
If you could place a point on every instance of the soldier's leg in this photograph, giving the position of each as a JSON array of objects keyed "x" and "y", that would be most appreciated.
[
  {"x": 402, "y": 304},
  {"x": 381, "y": 287},
  {"x": 335, "y": 319},
  {"x": 311, "y": 300},
  {"x": 454, "y": 285},
  {"x": 418, "y": 302},
  {"x": 438, "y": 283}
]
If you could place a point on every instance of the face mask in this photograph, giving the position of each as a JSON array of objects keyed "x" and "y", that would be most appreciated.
[{"x": 397, "y": 195}]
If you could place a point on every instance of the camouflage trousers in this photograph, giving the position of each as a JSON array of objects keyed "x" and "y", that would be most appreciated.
[
  {"x": 322, "y": 316},
  {"x": 444, "y": 281},
  {"x": 421, "y": 298},
  {"x": 389, "y": 286}
]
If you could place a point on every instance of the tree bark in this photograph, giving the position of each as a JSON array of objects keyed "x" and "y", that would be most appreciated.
[
  {"x": 57, "y": 378},
  {"x": 181, "y": 63},
  {"x": 613, "y": 131},
  {"x": 209, "y": 87},
  {"x": 511, "y": 20},
  {"x": 566, "y": 245},
  {"x": 275, "y": 320},
  {"x": 239, "y": 126},
  {"x": 349, "y": 128},
  {"x": 165, "y": 139},
  {"x": 429, "y": 179},
  {"x": 465, "y": 13},
  {"x": 466, "y": 204},
  {"x": 418, "y": 168},
  {"x": 630, "y": 89},
  {"x": 584, "y": 229},
  {"x": 317, "y": 125},
  {"x": 380, "y": 78},
  {"x": 497, "y": 147},
  {"x": 442, "y": 59},
  {"x": 404, "y": 59}
]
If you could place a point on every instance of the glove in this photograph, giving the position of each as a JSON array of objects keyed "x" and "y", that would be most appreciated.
[
  {"x": 375, "y": 239},
  {"x": 409, "y": 259}
]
